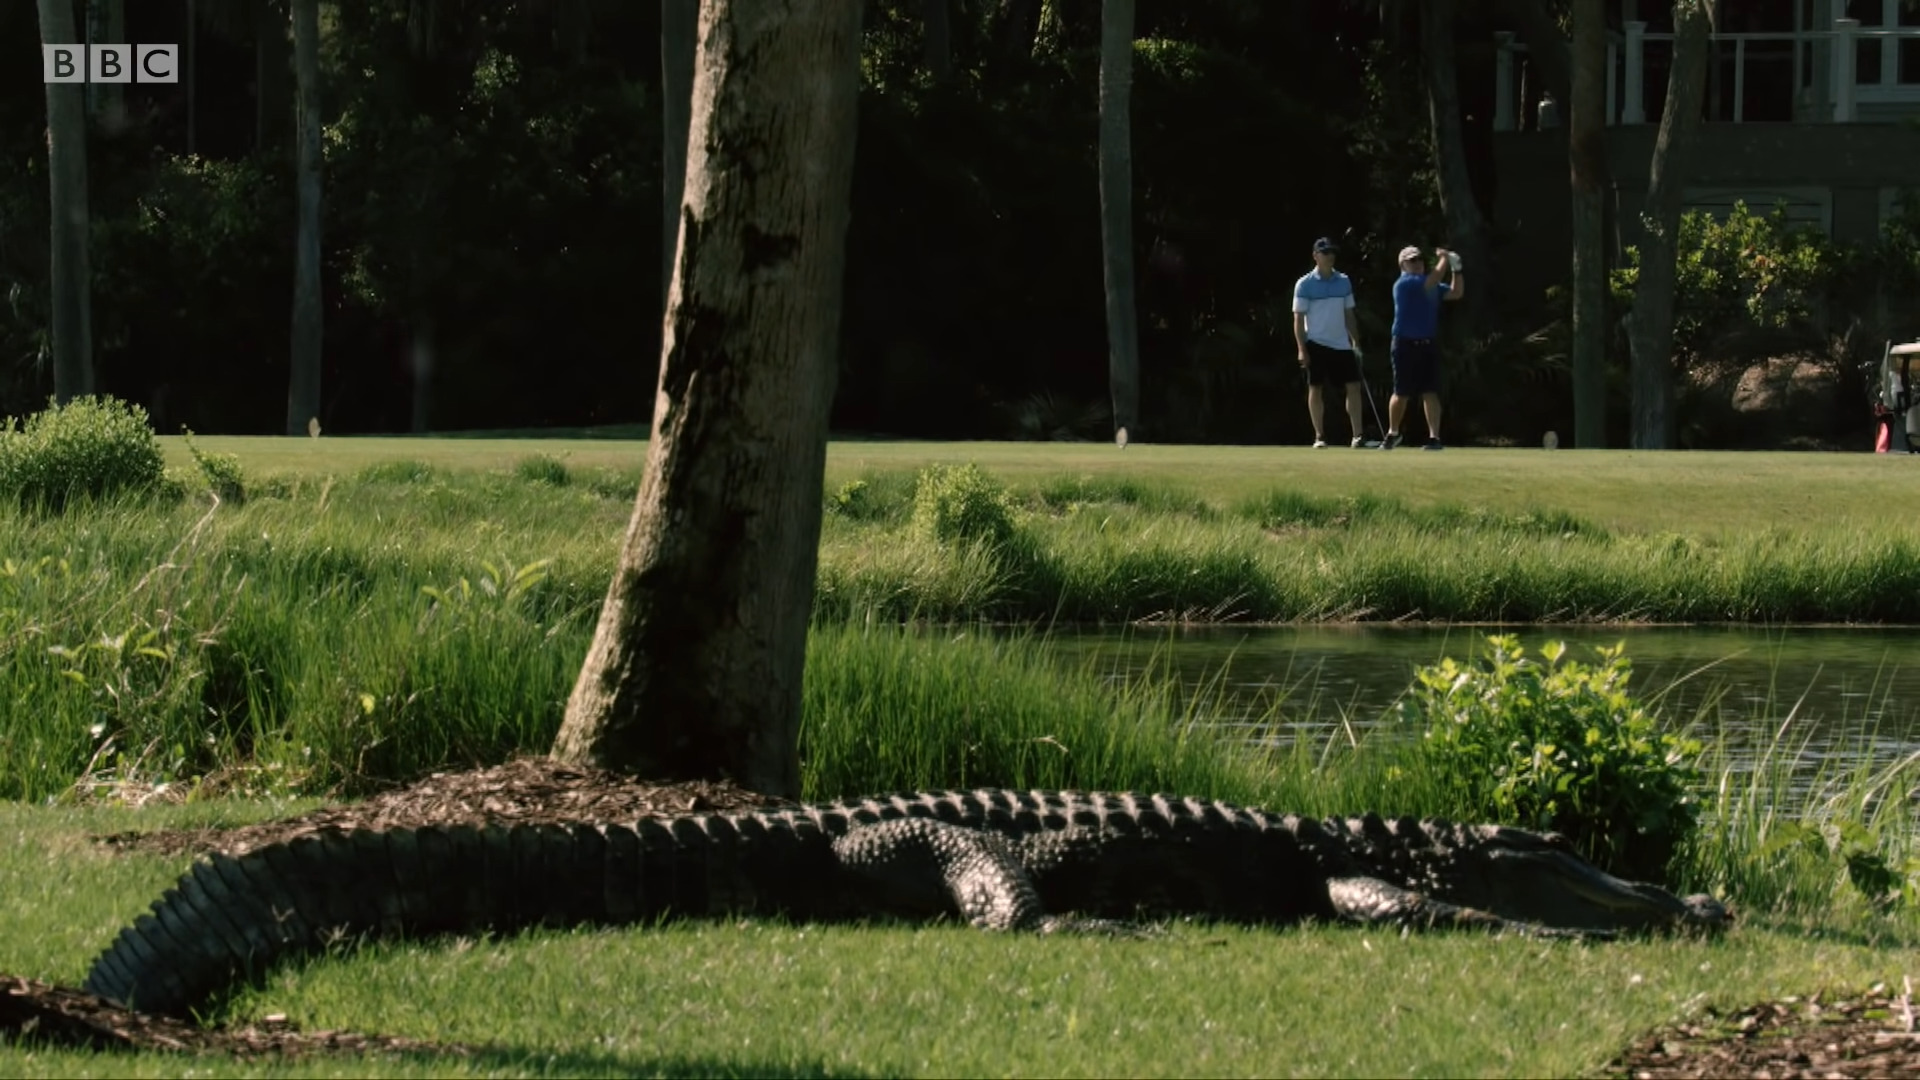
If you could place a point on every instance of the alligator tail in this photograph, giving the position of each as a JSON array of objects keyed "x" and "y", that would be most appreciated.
[{"x": 231, "y": 918}]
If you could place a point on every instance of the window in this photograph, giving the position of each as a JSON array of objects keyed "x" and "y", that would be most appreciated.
[
  {"x": 1889, "y": 58},
  {"x": 1907, "y": 71}
]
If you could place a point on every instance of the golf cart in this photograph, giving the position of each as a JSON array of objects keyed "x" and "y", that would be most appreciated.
[{"x": 1896, "y": 405}]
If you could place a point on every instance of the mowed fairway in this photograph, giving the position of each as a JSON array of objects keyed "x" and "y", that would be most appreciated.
[{"x": 1702, "y": 493}]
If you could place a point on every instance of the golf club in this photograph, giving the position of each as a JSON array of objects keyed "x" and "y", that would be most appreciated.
[{"x": 1360, "y": 362}]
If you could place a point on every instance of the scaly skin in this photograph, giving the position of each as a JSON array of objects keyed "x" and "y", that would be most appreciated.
[{"x": 1000, "y": 860}]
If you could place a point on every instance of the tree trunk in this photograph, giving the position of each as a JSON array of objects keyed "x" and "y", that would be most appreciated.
[
  {"x": 272, "y": 72},
  {"x": 1019, "y": 27},
  {"x": 1547, "y": 53},
  {"x": 420, "y": 358},
  {"x": 303, "y": 382},
  {"x": 1116, "y": 213},
  {"x": 1587, "y": 153},
  {"x": 1465, "y": 224},
  {"x": 67, "y": 191},
  {"x": 695, "y": 668},
  {"x": 109, "y": 26},
  {"x": 1650, "y": 323},
  {"x": 679, "y": 33},
  {"x": 939, "y": 39}
]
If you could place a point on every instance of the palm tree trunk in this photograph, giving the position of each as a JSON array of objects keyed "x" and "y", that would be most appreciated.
[
  {"x": 1587, "y": 153},
  {"x": 1466, "y": 226},
  {"x": 272, "y": 71},
  {"x": 695, "y": 667},
  {"x": 939, "y": 39},
  {"x": 109, "y": 19},
  {"x": 303, "y": 382},
  {"x": 679, "y": 25},
  {"x": 67, "y": 191},
  {"x": 1116, "y": 213},
  {"x": 1650, "y": 323}
]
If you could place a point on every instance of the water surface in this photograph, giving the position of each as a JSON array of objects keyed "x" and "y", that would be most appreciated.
[{"x": 1839, "y": 690}]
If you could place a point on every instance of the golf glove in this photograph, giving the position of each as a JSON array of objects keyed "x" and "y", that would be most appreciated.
[{"x": 1453, "y": 261}]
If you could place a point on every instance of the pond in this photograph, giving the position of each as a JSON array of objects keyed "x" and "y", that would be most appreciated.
[{"x": 1832, "y": 694}]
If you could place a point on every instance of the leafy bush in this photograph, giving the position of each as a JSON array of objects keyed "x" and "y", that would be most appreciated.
[
  {"x": 221, "y": 472},
  {"x": 92, "y": 446},
  {"x": 1748, "y": 272},
  {"x": 1561, "y": 747},
  {"x": 958, "y": 504},
  {"x": 543, "y": 469}
]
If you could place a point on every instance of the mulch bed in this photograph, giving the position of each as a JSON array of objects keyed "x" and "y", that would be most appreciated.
[
  {"x": 45, "y": 1014},
  {"x": 525, "y": 791},
  {"x": 1869, "y": 1035}
]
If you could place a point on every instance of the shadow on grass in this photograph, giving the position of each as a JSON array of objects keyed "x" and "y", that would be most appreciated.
[{"x": 497, "y": 1060}]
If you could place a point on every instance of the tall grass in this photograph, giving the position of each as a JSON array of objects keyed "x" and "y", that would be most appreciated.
[
  {"x": 1288, "y": 558},
  {"x": 330, "y": 633}
]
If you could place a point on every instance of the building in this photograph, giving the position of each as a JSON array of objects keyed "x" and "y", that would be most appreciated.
[{"x": 1814, "y": 104}]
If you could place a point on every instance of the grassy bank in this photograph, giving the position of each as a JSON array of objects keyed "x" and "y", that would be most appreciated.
[
  {"x": 403, "y": 615},
  {"x": 373, "y": 621}
]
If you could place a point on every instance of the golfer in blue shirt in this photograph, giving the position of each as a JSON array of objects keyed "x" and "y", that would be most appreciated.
[{"x": 1416, "y": 325}]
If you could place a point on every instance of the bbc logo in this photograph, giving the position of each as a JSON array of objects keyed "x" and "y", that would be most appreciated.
[{"x": 110, "y": 63}]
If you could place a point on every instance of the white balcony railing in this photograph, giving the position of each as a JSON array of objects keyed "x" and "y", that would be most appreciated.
[{"x": 1833, "y": 53}]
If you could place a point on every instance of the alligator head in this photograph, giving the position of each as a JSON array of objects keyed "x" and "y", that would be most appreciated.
[{"x": 1539, "y": 878}]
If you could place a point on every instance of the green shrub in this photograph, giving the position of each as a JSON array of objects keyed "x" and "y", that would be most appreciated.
[
  {"x": 1746, "y": 271},
  {"x": 94, "y": 447},
  {"x": 542, "y": 469},
  {"x": 960, "y": 504},
  {"x": 1561, "y": 747},
  {"x": 221, "y": 471},
  {"x": 397, "y": 472}
]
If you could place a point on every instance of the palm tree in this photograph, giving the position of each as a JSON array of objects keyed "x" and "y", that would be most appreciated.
[
  {"x": 1587, "y": 159},
  {"x": 1116, "y": 212},
  {"x": 1466, "y": 225},
  {"x": 1650, "y": 323},
  {"x": 303, "y": 383},
  {"x": 72, "y": 284}
]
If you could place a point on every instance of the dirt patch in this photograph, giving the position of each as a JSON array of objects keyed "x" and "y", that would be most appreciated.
[
  {"x": 525, "y": 791},
  {"x": 1867, "y": 1036},
  {"x": 41, "y": 1013}
]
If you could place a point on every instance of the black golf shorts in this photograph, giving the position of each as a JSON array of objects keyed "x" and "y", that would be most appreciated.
[
  {"x": 1416, "y": 367},
  {"x": 1331, "y": 367}
]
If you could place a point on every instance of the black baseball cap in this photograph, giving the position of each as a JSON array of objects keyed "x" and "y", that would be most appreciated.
[{"x": 1324, "y": 244}]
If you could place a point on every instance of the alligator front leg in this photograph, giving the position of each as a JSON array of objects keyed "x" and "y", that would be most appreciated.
[
  {"x": 1373, "y": 901},
  {"x": 922, "y": 867}
]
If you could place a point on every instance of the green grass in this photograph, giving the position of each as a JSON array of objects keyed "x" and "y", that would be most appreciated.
[
  {"x": 376, "y": 608},
  {"x": 369, "y": 616},
  {"x": 1696, "y": 492},
  {"x": 766, "y": 998},
  {"x": 1119, "y": 552}
]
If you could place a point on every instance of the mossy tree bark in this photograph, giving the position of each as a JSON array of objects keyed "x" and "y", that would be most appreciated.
[
  {"x": 679, "y": 40},
  {"x": 695, "y": 668}
]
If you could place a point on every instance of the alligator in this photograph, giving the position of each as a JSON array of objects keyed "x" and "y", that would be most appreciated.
[{"x": 1044, "y": 861}]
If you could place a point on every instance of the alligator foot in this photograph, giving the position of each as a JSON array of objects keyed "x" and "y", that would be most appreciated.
[
  {"x": 1373, "y": 901},
  {"x": 920, "y": 866}
]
